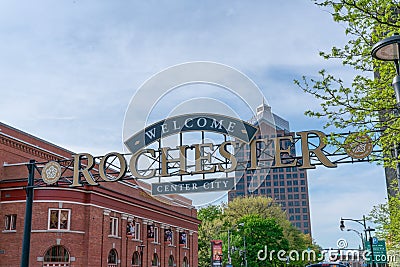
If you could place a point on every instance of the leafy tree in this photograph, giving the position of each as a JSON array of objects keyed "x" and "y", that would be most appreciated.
[
  {"x": 388, "y": 227},
  {"x": 262, "y": 236},
  {"x": 261, "y": 216},
  {"x": 211, "y": 221},
  {"x": 210, "y": 213},
  {"x": 266, "y": 208},
  {"x": 367, "y": 103}
]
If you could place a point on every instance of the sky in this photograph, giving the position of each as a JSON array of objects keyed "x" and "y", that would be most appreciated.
[{"x": 69, "y": 69}]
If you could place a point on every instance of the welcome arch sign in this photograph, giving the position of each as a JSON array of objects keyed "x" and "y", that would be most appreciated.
[{"x": 206, "y": 165}]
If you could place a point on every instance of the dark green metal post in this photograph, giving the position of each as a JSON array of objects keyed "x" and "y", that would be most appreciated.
[
  {"x": 26, "y": 243},
  {"x": 372, "y": 250}
]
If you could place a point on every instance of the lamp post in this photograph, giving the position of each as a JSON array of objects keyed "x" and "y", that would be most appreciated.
[
  {"x": 244, "y": 246},
  {"x": 229, "y": 242},
  {"x": 360, "y": 235},
  {"x": 363, "y": 223},
  {"x": 141, "y": 246},
  {"x": 245, "y": 250},
  {"x": 360, "y": 221},
  {"x": 229, "y": 264},
  {"x": 389, "y": 50},
  {"x": 229, "y": 247}
]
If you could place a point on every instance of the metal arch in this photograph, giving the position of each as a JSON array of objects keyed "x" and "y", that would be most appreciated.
[{"x": 265, "y": 160}]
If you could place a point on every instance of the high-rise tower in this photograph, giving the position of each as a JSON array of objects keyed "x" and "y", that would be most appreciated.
[{"x": 287, "y": 186}]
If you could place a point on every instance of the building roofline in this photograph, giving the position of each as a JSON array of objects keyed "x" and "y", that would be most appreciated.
[
  {"x": 174, "y": 199},
  {"x": 34, "y": 137}
]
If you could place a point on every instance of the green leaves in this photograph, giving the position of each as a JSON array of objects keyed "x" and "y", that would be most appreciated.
[
  {"x": 264, "y": 224},
  {"x": 386, "y": 217},
  {"x": 367, "y": 102}
]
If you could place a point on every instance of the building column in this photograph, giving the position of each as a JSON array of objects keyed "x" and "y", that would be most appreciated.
[
  {"x": 146, "y": 261},
  {"x": 105, "y": 225},
  {"x": 191, "y": 249},
  {"x": 124, "y": 240},
  {"x": 164, "y": 257},
  {"x": 178, "y": 248}
]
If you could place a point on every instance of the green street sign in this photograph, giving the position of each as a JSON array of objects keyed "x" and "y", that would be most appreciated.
[{"x": 379, "y": 249}]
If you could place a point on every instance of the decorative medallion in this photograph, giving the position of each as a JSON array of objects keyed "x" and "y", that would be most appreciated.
[
  {"x": 358, "y": 147},
  {"x": 51, "y": 172}
]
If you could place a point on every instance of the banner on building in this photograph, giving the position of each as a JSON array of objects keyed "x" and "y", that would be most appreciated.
[
  {"x": 168, "y": 235},
  {"x": 182, "y": 238},
  {"x": 130, "y": 229},
  {"x": 150, "y": 231}
]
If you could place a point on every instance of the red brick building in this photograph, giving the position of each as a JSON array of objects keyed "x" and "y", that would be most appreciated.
[{"x": 99, "y": 226}]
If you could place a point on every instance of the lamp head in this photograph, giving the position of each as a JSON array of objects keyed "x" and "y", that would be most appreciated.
[
  {"x": 388, "y": 50},
  {"x": 342, "y": 226}
]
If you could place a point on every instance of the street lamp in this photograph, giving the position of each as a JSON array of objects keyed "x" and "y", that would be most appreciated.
[
  {"x": 360, "y": 235},
  {"x": 360, "y": 221},
  {"x": 363, "y": 223},
  {"x": 141, "y": 246},
  {"x": 342, "y": 226},
  {"x": 389, "y": 50},
  {"x": 229, "y": 242},
  {"x": 244, "y": 246},
  {"x": 245, "y": 250}
]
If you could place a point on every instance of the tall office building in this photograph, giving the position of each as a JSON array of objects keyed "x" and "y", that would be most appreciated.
[{"x": 287, "y": 186}]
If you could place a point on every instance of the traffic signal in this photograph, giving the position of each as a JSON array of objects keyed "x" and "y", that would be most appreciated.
[{"x": 342, "y": 225}]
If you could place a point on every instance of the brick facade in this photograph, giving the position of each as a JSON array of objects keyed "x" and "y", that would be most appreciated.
[{"x": 90, "y": 221}]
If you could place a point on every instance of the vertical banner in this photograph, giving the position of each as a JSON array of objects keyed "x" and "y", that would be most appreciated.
[
  {"x": 150, "y": 231},
  {"x": 182, "y": 238},
  {"x": 130, "y": 230},
  {"x": 168, "y": 236},
  {"x": 216, "y": 253}
]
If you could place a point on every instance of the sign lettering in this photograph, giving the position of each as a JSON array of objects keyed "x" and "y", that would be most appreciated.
[{"x": 204, "y": 158}]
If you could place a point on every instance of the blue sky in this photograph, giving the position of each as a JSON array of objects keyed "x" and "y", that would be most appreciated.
[{"x": 68, "y": 70}]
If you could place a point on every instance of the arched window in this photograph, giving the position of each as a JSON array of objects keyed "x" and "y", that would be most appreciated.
[
  {"x": 154, "y": 261},
  {"x": 112, "y": 258},
  {"x": 136, "y": 259},
  {"x": 56, "y": 256},
  {"x": 171, "y": 261},
  {"x": 185, "y": 262}
]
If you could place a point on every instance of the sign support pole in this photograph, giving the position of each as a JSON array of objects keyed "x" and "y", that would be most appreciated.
[{"x": 26, "y": 243}]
